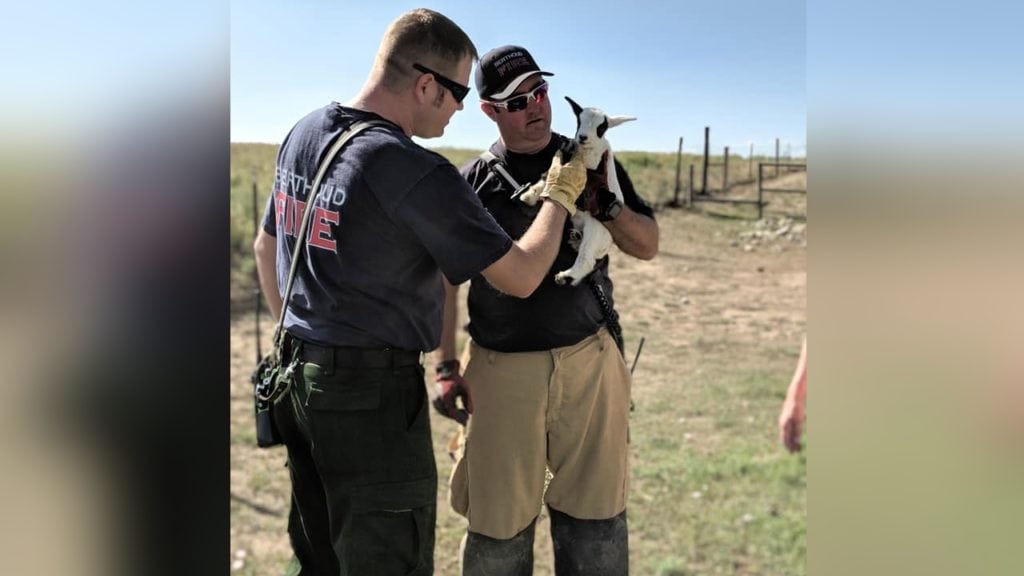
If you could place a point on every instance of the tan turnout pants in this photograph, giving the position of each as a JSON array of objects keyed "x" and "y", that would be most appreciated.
[{"x": 566, "y": 409}]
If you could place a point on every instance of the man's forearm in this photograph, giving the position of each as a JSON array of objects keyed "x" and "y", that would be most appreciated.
[
  {"x": 634, "y": 234},
  {"x": 449, "y": 323},
  {"x": 525, "y": 265},
  {"x": 265, "y": 253},
  {"x": 270, "y": 295}
]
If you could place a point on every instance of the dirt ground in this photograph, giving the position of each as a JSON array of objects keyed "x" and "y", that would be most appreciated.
[{"x": 721, "y": 285}]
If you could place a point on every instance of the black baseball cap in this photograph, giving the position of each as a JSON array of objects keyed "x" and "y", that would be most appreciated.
[{"x": 500, "y": 72}]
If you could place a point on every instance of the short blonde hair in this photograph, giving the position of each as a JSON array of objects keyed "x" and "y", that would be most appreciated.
[{"x": 421, "y": 36}]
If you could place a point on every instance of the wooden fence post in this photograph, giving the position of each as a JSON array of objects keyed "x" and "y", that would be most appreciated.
[
  {"x": 679, "y": 165},
  {"x": 760, "y": 192},
  {"x": 689, "y": 189}
]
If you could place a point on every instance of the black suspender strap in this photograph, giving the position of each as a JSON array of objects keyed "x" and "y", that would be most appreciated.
[{"x": 497, "y": 166}]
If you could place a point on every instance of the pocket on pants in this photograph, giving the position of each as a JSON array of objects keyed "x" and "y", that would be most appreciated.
[
  {"x": 415, "y": 417},
  {"x": 405, "y": 401},
  {"x": 345, "y": 431},
  {"x": 391, "y": 542},
  {"x": 405, "y": 428},
  {"x": 393, "y": 528},
  {"x": 342, "y": 391}
]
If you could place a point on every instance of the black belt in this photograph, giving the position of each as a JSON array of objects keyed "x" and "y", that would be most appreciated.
[{"x": 350, "y": 357}]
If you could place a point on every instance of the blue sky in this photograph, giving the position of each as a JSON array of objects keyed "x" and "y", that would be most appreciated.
[
  {"x": 869, "y": 73},
  {"x": 736, "y": 66}
]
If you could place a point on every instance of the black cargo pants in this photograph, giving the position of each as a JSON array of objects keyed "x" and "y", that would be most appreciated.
[{"x": 364, "y": 482}]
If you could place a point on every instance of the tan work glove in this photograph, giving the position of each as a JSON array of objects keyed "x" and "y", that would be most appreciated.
[{"x": 565, "y": 182}]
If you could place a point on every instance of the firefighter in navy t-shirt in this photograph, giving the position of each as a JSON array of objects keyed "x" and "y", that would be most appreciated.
[{"x": 389, "y": 221}]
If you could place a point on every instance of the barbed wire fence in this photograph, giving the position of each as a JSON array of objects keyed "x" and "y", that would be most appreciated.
[{"x": 769, "y": 167}]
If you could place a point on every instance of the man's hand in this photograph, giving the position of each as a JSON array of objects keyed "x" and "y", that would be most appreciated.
[
  {"x": 597, "y": 198},
  {"x": 449, "y": 385},
  {"x": 605, "y": 206},
  {"x": 565, "y": 182},
  {"x": 791, "y": 422},
  {"x": 794, "y": 408}
]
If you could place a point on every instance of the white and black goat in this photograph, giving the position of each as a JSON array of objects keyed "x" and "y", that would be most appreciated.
[{"x": 594, "y": 240}]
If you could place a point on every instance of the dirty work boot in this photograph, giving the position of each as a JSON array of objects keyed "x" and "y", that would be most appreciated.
[
  {"x": 486, "y": 556},
  {"x": 590, "y": 547}
]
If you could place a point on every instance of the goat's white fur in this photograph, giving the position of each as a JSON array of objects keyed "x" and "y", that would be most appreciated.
[{"x": 589, "y": 236}]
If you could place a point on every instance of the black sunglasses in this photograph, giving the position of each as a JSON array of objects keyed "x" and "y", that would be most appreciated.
[{"x": 458, "y": 91}]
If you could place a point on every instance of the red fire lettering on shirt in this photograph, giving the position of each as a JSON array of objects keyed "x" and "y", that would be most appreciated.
[
  {"x": 320, "y": 236},
  {"x": 282, "y": 203},
  {"x": 298, "y": 211}
]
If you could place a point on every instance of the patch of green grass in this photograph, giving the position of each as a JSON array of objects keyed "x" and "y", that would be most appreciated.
[
  {"x": 459, "y": 157},
  {"x": 259, "y": 481},
  {"x": 245, "y": 436},
  {"x": 712, "y": 490}
]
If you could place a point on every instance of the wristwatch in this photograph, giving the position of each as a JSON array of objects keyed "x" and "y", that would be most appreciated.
[
  {"x": 447, "y": 369},
  {"x": 612, "y": 212}
]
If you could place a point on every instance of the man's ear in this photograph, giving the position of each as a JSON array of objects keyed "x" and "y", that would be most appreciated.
[
  {"x": 490, "y": 111},
  {"x": 421, "y": 88}
]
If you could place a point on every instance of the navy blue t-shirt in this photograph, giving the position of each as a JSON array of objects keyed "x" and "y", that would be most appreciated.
[
  {"x": 390, "y": 217},
  {"x": 553, "y": 316}
]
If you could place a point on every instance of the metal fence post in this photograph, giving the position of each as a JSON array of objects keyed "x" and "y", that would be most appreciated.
[
  {"x": 257, "y": 296},
  {"x": 725, "y": 171},
  {"x": 776, "y": 156},
  {"x": 750, "y": 163},
  {"x": 704, "y": 178}
]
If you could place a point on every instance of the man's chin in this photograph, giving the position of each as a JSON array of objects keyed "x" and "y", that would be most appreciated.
[
  {"x": 432, "y": 135},
  {"x": 539, "y": 130}
]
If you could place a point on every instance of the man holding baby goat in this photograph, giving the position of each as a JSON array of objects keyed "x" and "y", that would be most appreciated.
[{"x": 544, "y": 380}]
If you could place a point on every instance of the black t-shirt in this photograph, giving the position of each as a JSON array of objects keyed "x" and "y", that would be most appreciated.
[
  {"x": 391, "y": 216},
  {"x": 554, "y": 315}
]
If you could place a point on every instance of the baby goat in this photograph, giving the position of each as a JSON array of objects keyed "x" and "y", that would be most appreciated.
[{"x": 593, "y": 238}]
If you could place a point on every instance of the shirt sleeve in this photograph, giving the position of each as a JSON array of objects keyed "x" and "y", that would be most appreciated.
[
  {"x": 269, "y": 224},
  {"x": 629, "y": 195},
  {"x": 447, "y": 216}
]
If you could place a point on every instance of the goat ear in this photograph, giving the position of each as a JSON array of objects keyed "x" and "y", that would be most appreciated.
[
  {"x": 576, "y": 108},
  {"x": 614, "y": 121}
]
